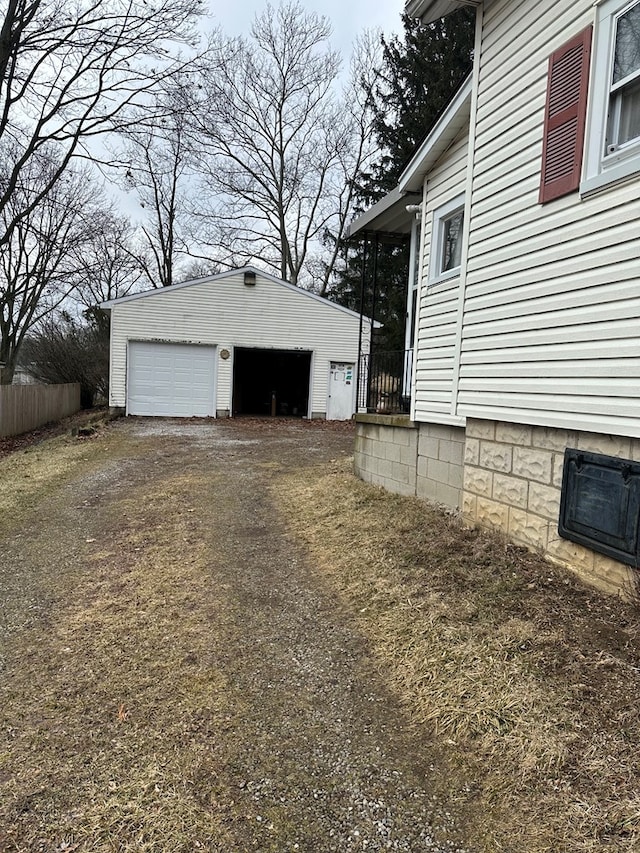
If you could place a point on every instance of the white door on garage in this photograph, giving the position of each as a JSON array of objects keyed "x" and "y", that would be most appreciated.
[
  {"x": 340, "y": 402},
  {"x": 171, "y": 380}
]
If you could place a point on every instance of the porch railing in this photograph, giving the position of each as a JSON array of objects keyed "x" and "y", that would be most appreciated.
[{"x": 384, "y": 382}]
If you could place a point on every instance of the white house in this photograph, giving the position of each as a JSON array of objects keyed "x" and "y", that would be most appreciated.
[
  {"x": 240, "y": 342},
  {"x": 525, "y": 408}
]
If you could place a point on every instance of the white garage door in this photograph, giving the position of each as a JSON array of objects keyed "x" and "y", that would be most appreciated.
[{"x": 171, "y": 380}]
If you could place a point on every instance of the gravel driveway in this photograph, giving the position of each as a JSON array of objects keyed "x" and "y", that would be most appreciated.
[{"x": 293, "y": 741}]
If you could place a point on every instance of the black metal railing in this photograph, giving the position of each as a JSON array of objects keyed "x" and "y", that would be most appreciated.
[{"x": 384, "y": 382}]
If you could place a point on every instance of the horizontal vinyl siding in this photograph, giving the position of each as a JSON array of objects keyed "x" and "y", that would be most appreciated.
[
  {"x": 227, "y": 313},
  {"x": 435, "y": 362},
  {"x": 551, "y": 331}
]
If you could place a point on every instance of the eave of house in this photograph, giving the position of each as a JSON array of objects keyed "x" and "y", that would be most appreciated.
[
  {"x": 390, "y": 214},
  {"x": 454, "y": 119},
  {"x": 431, "y": 10}
]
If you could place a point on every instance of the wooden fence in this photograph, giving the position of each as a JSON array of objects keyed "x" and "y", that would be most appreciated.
[{"x": 26, "y": 407}]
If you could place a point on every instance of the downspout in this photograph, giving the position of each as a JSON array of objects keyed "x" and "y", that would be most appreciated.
[{"x": 418, "y": 265}]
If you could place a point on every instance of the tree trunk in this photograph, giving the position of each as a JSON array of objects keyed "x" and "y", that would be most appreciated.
[{"x": 7, "y": 367}]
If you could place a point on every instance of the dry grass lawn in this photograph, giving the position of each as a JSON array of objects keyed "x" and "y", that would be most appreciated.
[{"x": 527, "y": 680}]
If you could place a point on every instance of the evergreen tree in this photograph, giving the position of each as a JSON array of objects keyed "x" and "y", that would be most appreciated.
[{"x": 420, "y": 74}]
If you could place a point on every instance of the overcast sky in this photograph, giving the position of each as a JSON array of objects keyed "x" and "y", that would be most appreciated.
[{"x": 348, "y": 17}]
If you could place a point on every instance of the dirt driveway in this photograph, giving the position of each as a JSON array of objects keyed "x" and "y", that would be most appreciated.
[{"x": 177, "y": 674}]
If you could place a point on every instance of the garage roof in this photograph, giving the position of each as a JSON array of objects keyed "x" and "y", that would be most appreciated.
[{"x": 132, "y": 297}]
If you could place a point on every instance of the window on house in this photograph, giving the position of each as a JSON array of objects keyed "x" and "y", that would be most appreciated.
[
  {"x": 624, "y": 99},
  {"x": 452, "y": 241},
  {"x": 613, "y": 147},
  {"x": 446, "y": 240}
]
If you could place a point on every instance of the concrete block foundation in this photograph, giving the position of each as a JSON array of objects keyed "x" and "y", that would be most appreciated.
[
  {"x": 501, "y": 476},
  {"x": 425, "y": 460}
]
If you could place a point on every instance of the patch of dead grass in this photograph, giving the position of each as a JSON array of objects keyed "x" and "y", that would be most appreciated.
[
  {"x": 110, "y": 722},
  {"x": 527, "y": 680}
]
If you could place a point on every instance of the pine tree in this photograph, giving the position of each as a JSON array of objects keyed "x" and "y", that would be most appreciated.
[{"x": 420, "y": 74}]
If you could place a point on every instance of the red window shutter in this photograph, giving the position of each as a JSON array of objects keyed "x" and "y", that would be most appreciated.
[{"x": 565, "y": 116}]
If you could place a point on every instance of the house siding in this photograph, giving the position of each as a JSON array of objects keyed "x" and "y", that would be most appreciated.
[
  {"x": 536, "y": 348},
  {"x": 552, "y": 299},
  {"x": 226, "y": 313},
  {"x": 439, "y": 303}
]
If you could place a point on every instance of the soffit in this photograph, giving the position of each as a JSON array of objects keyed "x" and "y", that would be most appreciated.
[
  {"x": 389, "y": 215},
  {"x": 430, "y": 10}
]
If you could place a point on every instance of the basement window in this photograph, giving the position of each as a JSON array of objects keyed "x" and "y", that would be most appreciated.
[{"x": 600, "y": 504}]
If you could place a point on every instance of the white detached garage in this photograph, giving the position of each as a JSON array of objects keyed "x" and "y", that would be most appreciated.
[{"x": 238, "y": 343}]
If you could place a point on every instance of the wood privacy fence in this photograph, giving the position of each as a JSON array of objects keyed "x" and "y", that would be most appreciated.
[{"x": 26, "y": 407}]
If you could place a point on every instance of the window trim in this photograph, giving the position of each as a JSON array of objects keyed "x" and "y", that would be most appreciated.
[
  {"x": 440, "y": 216},
  {"x": 601, "y": 169}
]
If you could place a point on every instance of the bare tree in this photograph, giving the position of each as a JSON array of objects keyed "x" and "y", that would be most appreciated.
[
  {"x": 64, "y": 349},
  {"x": 281, "y": 148},
  {"x": 39, "y": 264},
  {"x": 158, "y": 168},
  {"x": 71, "y": 70},
  {"x": 106, "y": 265},
  {"x": 198, "y": 268}
]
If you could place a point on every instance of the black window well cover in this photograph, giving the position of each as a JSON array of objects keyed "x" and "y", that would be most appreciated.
[{"x": 600, "y": 504}]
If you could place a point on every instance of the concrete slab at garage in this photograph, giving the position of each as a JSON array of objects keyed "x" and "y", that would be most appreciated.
[{"x": 241, "y": 342}]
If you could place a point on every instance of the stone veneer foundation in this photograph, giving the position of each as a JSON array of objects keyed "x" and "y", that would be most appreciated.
[
  {"x": 512, "y": 483},
  {"x": 503, "y": 477}
]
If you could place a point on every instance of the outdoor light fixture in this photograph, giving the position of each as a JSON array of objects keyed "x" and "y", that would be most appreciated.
[
  {"x": 250, "y": 278},
  {"x": 414, "y": 208}
]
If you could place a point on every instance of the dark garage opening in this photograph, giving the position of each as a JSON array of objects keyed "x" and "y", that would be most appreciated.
[{"x": 271, "y": 382}]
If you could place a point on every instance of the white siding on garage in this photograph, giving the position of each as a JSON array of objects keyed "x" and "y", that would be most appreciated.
[
  {"x": 223, "y": 311},
  {"x": 439, "y": 303},
  {"x": 551, "y": 331}
]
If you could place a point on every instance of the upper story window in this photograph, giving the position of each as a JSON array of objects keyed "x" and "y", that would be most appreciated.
[
  {"x": 613, "y": 136},
  {"x": 446, "y": 240}
]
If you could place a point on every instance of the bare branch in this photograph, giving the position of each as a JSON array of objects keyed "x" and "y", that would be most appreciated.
[
  {"x": 73, "y": 69},
  {"x": 280, "y": 143}
]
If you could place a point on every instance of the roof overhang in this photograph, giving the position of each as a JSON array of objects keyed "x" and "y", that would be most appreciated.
[
  {"x": 431, "y": 10},
  {"x": 389, "y": 215},
  {"x": 453, "y": 120}
]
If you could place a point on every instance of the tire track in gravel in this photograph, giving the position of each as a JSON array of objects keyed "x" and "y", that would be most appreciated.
[{"x": 322, "y": 758}]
